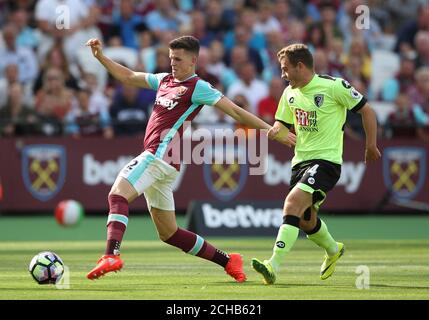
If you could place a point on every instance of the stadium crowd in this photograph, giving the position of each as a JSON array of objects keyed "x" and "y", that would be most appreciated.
[{"x": 51, "y": 85}]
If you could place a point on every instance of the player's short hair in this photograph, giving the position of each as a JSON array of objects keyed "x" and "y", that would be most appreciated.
[
  {"x": 188, "y": 43},
  {"x": 295, "y": 53}
]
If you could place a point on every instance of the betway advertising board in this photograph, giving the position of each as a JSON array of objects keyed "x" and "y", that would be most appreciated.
[
  {"x": 214, "y": 218},
  {"x": 37, "y": 173}
]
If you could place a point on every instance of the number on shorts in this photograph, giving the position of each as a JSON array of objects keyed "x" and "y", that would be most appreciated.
[
  {"x": 131, "y": 165},
  {"x": 313, "y": 170}
]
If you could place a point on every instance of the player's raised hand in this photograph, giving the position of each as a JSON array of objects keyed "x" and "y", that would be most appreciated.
[
  {"x": 96, "y": 47},
  {"x": 372, "y": 154}
]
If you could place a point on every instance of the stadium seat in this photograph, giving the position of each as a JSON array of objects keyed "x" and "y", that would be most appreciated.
[{"x": 385, "y": 64}]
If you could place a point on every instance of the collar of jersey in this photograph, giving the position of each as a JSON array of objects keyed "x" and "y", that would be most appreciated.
[
  {"x": 194, "y": 75},
  {"x": 308, "y": 84}
]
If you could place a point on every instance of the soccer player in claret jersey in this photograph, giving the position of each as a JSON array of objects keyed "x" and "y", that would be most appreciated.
[
  {"x": 180, "y": 96},
  {"x": 316, "y": 106}
]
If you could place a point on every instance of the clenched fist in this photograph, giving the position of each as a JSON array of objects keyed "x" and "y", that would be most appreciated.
[{"x": 96, "y": 47}]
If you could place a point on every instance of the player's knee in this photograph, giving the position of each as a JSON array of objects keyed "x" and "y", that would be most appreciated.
[
  {"x": 165, "y": 235},
  {"x": 306, "y": 226}
]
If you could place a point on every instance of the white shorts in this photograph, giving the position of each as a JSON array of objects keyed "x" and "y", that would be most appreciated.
[{"x": 154, "y": 177}]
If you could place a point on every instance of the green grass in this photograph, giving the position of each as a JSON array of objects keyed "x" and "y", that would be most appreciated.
[
  {"x": 395, "y": 249},
  {"x": 399, "y": 269}
]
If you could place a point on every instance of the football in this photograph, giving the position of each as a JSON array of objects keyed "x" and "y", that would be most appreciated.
[
  {"x": 46, "y": 268},
  {"x": 69, "y": 213}
]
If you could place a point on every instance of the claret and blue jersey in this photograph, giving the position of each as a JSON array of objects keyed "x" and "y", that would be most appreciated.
[{"x": 176, "y": 102}]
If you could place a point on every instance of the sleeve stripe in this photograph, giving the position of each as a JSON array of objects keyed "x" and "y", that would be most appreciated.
[
  {"x": 360, "y": 105},
  {"x": 287, "y": 125}
]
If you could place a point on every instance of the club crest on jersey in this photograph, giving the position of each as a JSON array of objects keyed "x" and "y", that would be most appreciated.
[
  {"x": 180, "y": 91},
  {"x": 318, "y": 100},
  {"x": 404, "y": 170},
  {"x": 43, "y": 169}
]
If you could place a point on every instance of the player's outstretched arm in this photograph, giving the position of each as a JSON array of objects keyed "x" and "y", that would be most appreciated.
[
  {"x": 369, "y": 121},
  {"x": 245, "y": 117},
  {"x": 118, "y": 71}
]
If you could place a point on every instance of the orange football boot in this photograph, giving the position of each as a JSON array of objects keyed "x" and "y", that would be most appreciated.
[
  {"x": 105, "y": 264},
  {"x": 234, "y": 267}
]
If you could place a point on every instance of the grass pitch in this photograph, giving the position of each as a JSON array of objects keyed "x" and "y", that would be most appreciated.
[{"x": 398, "y": 269}]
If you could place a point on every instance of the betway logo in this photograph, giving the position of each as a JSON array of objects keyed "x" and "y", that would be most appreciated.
[
  {"x": 167, "y": 103},
  {"x": 96, "y": 172},
  {"x": 351, "y": 174},
  {"x": 243, "y": 216}
]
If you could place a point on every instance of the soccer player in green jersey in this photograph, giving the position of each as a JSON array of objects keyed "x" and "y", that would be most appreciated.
[{"x": 316, "y": 106}]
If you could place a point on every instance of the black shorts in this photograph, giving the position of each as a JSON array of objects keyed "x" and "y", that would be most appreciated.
[{"x": 316, "y": 177}]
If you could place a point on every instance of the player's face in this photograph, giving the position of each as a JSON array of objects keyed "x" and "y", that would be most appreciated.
[
  {"x": 290, "y": 72},
  {"x": 182, "y": 63}
]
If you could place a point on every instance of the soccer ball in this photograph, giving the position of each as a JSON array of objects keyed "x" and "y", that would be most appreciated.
[
  {"x": 46, "y": 267},
  {"x": 69, "y": 213}
]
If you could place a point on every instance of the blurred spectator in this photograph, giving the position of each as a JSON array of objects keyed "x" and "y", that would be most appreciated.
[
  {"x": 56, "y": 58},
  {"x": 315, "y": 37},
  {"x": 239, "y": 56},
  {"x": 202, "y": 63},
  {"x": 54, "y": 101},
  {"x": 283, "y": 13},
  {"x": 83, "y": 122},
  {"x": 402, "y": 82},
  {"x": 16, "y": 119},
  {"x": 422, "y": 49},
  {"x": 358, "y": 61},
  {"x": 216, "y": 65},
  {"x": 127, "y": 24},
  {"x": 314, "y": 8},
  {"x": 249, "y": 86},
  {"x": 27, "y": 37},
  {"x": 147, "y": 51},
  {"x": 296, "y": 32},
  {"x": 402, "y": 122},
  {"x": 266, "y": 21},
  {"x": 129, "y": 111},
  {"x": 327, "y": 25},
  {"x": 336, "y": 58},
  {"x": 241, "y": 37},
  {"x": 359, "y": 48},
  {"x": 162, "y": 60},
  {"x": 267, "y": 107},
  {"x": 23, "y": 57},
  {"x": 269, "y": 55},
  {"x": 402, "y": 11},
  {"x": 199, "y": 29},
  {"x": 347, "y": 24},
  {"x": 419, "y": 93},
  {"x": 165, "y": 17},
  {"x": 11, "y": 77},
  {"x": 407, "y": 33},
  {"x": 98, "y": 102},
  {"x": 244, "y": 32},
  {"x": 321, "y": 62},
  {"x": 73, "y": 32},
  {"x": 218, "y": 20}
]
